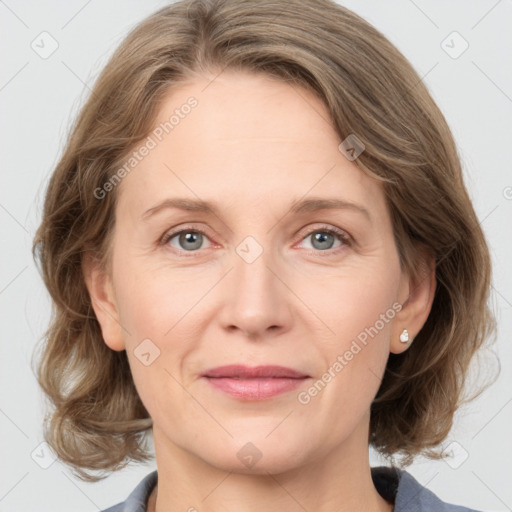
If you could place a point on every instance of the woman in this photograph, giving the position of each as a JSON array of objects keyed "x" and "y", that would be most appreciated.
[{"x": 336, "y": 285}]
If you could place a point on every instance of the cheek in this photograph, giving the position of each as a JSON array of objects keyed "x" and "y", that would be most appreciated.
[
  {"x": 354, "y": 358},
  {"x": 160, "y": 313},
  {"x": 358, "y": 299},
  {"x": 358, "y": 309},
  {"x": 153, "y": 301}
]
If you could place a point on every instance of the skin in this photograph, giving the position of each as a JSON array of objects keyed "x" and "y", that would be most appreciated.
[{"x": 252, "y": 146}]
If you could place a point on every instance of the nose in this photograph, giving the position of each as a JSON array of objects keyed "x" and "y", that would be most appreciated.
[{"x": 257, "y": 300}]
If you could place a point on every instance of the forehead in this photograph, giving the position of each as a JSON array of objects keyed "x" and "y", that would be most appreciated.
[{"x": 249, "y": 139}]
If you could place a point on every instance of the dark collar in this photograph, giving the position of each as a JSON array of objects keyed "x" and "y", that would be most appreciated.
[{"x": 386, "y": 480}]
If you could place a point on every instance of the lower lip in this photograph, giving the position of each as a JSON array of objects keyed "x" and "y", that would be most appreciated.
[{"x": 254, "y": 389}]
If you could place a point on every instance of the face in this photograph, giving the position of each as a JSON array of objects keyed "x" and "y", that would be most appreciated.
[{"x": 267, "y": 277}]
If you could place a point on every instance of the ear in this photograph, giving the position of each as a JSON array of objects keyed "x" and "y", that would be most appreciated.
[
  {"x": 101, "y": 291},
  {"x": 416, "y": 295}
]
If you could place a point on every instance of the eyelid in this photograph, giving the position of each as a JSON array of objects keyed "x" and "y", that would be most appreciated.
[
  {"x": 329, "y": 229},
  {"x": 344, "y": 237},
  {"x": 168, "y": 235}
]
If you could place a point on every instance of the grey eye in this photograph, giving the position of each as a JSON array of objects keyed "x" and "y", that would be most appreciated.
[
  {"x": 188, "y": 240},
  {"x": 323, "y": 239}
]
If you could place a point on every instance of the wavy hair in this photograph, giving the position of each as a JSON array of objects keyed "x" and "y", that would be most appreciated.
[{"x": 97, "y": 419}]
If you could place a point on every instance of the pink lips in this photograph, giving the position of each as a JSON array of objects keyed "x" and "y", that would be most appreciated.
[{"x": 256, "y": 383}]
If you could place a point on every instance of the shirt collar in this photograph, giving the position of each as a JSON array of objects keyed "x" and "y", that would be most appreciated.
[{"x": 394, "y": 485}]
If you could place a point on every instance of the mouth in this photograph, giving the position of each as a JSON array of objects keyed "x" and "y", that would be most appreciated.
[
  {"x": 240, "y": 371},
  {"x": 256, "y": 383}
]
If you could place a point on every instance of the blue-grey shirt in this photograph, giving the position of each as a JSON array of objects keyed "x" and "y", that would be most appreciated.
[{"x": 393, "y": 484}]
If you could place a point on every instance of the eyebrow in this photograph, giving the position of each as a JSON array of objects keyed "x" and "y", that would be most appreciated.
[{"x": 297, "y": 207}]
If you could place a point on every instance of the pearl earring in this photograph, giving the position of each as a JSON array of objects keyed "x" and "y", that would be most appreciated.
[{"x": 404, "y": 337}]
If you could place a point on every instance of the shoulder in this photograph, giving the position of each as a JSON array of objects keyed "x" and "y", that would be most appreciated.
[
  {"x": 408, "y": 494},
  {"x": 138, "y": 498}
]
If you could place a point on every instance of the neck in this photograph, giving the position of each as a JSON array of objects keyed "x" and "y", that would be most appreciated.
[{"x": 339, "y": 479}]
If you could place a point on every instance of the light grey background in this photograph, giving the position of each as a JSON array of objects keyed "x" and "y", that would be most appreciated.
[{"x": 40, "y": 96}]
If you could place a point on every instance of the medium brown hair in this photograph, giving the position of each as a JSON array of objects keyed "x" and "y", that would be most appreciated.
[{"x": 98, "y": 421}]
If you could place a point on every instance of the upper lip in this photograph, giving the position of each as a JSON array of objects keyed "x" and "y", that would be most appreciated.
[{"x": 248, "y": 372}]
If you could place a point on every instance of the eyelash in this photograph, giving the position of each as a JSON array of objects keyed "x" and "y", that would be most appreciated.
[{"x": 341, "y": 235}]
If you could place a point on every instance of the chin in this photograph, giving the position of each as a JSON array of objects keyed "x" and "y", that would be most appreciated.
[{"x": 257, "y": 457}]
